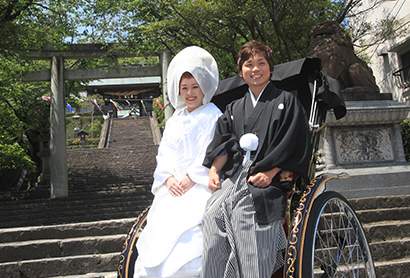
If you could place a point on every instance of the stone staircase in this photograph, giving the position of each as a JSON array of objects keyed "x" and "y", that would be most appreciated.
[
  {"x": 91, "y": 249},
  {"x": 63, "y": 250},
  {"x": 386, "y": 221},
  {"x": 82, "y": 235}
]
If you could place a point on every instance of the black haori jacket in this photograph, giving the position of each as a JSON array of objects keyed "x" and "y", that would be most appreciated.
[{"x": 280, "y": 122}]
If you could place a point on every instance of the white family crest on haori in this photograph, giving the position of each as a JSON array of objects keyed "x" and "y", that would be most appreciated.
[
  {"x": 249, "y": 142},
  {"x": 203, "y": 68}
]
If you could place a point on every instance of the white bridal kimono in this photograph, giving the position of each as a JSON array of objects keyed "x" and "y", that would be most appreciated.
[{"x": 171, "y": 243}]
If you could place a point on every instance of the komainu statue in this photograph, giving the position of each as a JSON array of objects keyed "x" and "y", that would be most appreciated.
[{"x": 335, "y": 48}]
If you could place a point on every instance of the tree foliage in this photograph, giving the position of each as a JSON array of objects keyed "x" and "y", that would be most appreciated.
[
  {"x": 223, "y": 26},
  {"x": 24, "y": 114}
]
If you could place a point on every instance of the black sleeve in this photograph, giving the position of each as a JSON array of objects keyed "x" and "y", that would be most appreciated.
[{"x": 224, "y": 139}]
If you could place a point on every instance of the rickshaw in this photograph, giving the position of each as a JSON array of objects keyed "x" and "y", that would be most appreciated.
[{"x": 325, "y": 236}]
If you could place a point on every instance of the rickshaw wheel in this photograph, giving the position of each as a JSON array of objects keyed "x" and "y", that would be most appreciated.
[
  {"x": 334, "y": 243},
  {"x": 129, "y": 252}
]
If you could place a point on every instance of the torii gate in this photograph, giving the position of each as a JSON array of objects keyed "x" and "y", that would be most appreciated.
[{"x": 57, "y": 74}]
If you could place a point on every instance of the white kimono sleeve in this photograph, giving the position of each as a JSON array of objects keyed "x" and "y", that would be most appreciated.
[
  {"x": 199, "y": 143},
  {"x": 165, "y": 159}
]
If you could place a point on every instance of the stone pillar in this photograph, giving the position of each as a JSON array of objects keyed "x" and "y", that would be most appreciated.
[
  {"x": 58, "y": 143},
  {"x": 165, "y": 60}
]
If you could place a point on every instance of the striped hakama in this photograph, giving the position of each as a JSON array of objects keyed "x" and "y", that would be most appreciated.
[{"x": 235, "y": 245}]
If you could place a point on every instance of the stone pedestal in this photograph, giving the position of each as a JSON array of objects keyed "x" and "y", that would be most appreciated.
[
  {"x": 369, "y": 135},
  {"x": 367, "y": 144}
]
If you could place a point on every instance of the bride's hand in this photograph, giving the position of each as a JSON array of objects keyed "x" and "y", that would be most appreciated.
[
  {"x": 174, "y": 187},
  {"x": 186, "y": 183}
]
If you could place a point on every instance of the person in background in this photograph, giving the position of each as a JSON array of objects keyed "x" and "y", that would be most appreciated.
[
  {"x": 258, "y": 137},
  {"x": 171, "y": 243}
]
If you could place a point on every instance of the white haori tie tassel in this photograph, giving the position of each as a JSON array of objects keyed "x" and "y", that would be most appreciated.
[{"x": 249, "y": 142}]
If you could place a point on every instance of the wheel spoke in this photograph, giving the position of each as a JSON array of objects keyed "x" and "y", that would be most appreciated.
[{"x": 340, "y": 247}]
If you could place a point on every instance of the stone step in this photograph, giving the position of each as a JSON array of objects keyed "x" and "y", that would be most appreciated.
[
  {"x": 399, "y": 268},
  {"x": 382, "y": 231},
  {"x": 124, "y": 176},
  {"x": 54, "y": 248},
  {"x": 384, "y": 214},
  {"x": 50, "y": 212},
  {"x": 41, "y": 268},
  {"x": 98, "y": 205},
  {"x": 27, "y": 221},
  {"x": 113, "y": 193},
  {"x": 100, "y": 199},
  {"x": 74, "y": 230},
  {"x": 390, "y": 250},
  {"x": 51, "y": 267},
  {"x": 76, "y": 171},
  {"x": 88, "y": 184},
  {"x": 81, "y": 197},
  {"x": 89, "y": 181},
  {"x": 378, "y": 210},
  {"x": 380, "y": 202},
  {"x": 112, "y": 274}
]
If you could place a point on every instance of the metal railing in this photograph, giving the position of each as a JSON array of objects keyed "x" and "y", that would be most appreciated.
[{"x": 403, "y": 77}]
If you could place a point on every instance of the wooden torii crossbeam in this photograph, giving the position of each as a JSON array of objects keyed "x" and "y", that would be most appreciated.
[{"x": 57, "y": 74}]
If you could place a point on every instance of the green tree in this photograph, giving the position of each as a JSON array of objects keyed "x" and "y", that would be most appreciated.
[
  {"x": 223, "y": 26},
  {"x": 95, "y": 129},
  {"x": 24, "y": 115}
]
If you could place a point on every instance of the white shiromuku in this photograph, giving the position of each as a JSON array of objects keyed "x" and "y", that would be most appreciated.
[{"x": 171, "y": 243}]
